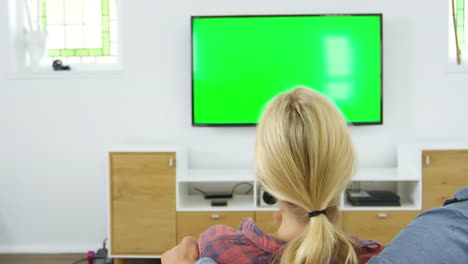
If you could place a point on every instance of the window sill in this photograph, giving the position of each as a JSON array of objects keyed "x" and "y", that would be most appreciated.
[
  {"x": 108, "y": 71},
  {"x": 454, "y": 68}
]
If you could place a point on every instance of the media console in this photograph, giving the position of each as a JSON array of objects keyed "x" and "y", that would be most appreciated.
[{"x": 153, "y": 202}]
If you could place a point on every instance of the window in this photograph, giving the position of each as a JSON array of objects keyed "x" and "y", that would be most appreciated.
[
  {"x": 80, "y": 33},
  {"x": 458, "y": 32}
]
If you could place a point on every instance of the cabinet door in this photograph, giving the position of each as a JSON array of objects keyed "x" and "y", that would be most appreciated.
[
  {"x": 195, "y": 223},
  {"x": 142, "y": 197},
  {"x": 444, "y": 172},
  {"x": 377, "y": 225},
  {"x": 265, "y": 222}
]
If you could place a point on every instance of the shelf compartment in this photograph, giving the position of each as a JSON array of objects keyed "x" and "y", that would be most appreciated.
[
  {"x": 191, "y": 203},
  {"x": 191, "y": 200},
  {"x": 409, "y": 192},
  {"x": 383, "y": 174}
]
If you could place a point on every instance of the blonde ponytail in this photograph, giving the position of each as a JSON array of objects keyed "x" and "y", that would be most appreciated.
[
  {"x": 305, "y": 157},
  {"x": 321, "y": 242}
]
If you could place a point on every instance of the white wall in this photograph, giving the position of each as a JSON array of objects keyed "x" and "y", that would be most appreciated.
[{"x": 54, "y": 133}]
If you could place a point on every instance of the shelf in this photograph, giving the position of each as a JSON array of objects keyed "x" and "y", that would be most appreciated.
[
  {"x": 218, "y": 176},
  {"x": 267, "y": 209},
  {"x": 190, "y": 203},
  {"x": 404, "y": 207}
]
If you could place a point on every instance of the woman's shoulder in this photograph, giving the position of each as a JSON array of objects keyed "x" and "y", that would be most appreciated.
[
  {"x": 217, "y": 231},
  {"x": 221, "y": 232},
  {"x": 247, "y": 244}
]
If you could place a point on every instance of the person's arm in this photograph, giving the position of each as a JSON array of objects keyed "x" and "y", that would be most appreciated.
[
  {"x": 436, "y": 236},
  {"x": 184, "y": 253}
]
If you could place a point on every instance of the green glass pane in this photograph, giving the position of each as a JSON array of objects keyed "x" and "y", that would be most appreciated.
[
  {"x": 95, "y": 52},
  {"x": 54, "y": 53},
  {"x": 43, "y": 15},
  {"x": 461, "y": 36},
  {"x": 105, "y": 23},
  {"x": 82, "y": 52},
  {"x": 460, "y": 19},
  {"x": 68, "y": 52},
  {"x": 105, "y": 7},
  {"x": 106, "y": 43},
  {"x": 43, "y": 22}
]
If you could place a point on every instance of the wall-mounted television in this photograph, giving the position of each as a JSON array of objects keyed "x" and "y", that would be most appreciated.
[{"x": 239, "y": 63}]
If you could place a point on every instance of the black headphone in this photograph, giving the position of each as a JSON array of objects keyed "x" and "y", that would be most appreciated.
[{"x": 57, "y": 65}]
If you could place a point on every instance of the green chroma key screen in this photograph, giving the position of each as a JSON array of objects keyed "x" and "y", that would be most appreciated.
[{"x": 239, "y": 63}]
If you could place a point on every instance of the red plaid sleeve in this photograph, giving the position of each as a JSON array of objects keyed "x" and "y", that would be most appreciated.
[
  {"x": 368, "y": 249},
  {"x": 224, "y": 244}
]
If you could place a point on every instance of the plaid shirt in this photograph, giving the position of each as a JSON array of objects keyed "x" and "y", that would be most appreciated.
[{"x": 249, "y": 245}]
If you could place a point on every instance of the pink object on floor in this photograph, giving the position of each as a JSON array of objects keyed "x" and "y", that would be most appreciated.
[{"x": 90, "y": 257}]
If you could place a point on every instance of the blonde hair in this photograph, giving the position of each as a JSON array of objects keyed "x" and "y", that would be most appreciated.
[{"x": 305, "y": 157}]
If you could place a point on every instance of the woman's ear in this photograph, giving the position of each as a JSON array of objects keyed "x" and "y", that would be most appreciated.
[{"x": 277, "y": 217}]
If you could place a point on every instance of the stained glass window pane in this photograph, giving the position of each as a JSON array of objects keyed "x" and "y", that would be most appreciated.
[
  {"x": 83, "y": 29},
  {"x": 460, "y": 15},
  {"x": 461, "y": 28}
]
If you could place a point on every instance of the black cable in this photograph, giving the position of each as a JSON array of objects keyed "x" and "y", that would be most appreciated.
[
  {"x": 201, "y": 191},
  {"x": 242, "y": 183},
  {"x": 94, "y": 258},
  {"x": 104, "y": 244},
  {"x": 233, "y": 188}
]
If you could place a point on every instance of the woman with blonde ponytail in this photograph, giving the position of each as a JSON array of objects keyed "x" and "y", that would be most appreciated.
[{"x": 305, "y": 158}]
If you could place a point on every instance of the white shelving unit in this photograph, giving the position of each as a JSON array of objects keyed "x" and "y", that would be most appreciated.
[
  {"x": 406, "y": 185},
  {"x": 405, "y": 180}
]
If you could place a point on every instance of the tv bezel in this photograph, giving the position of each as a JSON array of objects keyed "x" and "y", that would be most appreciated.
[{"x": 192, "y": 18}]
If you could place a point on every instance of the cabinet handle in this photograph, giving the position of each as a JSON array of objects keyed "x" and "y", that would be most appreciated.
[
  {"x": 215, "y": 216},
  {"x": 428, "y": 160},
  {"x": 382, "y": 215},
  {"x": 171, "y": 162}
]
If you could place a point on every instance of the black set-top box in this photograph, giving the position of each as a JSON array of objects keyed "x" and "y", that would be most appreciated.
[{"x": 359, "y": 197}]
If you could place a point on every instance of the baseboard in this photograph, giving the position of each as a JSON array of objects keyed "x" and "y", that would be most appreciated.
[{"x": 49, "y": 249}]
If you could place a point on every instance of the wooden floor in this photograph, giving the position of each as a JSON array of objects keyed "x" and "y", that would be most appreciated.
[{"x": 58, "y": 259}]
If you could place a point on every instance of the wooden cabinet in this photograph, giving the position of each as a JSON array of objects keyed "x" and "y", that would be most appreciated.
[
  {"x": 264, "y": 220},
  {"x": 195, "y": 223},
  {"x": 444, "y": 172},
  {"x": 142, "y": 203},
  {"x": 381, "y": 226}
]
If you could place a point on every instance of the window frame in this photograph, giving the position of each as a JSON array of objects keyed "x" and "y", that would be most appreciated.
[
  {"x": 17, "y": 51},
  {"x": 452, "y": 65}
]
